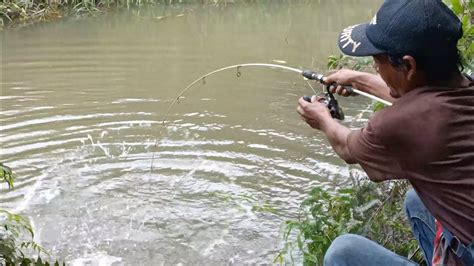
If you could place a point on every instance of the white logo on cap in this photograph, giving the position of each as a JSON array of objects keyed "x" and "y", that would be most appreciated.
[
  {"x": 374, "y": 20},
  {"x": 346, "y": 38}
]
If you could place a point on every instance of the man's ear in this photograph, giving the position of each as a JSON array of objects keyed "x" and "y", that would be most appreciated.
[{"x": 410, "y": 67}]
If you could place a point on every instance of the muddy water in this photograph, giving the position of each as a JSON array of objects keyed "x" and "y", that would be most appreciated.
[{"x": 104, "y": 181}]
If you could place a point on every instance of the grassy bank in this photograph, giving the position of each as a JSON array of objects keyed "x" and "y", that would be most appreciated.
[{"x": 21, "y": 12}]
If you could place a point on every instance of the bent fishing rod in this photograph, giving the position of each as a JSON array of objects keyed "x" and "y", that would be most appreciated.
[
  {"x": 306, "y": 73},
  {"x": 328, "y": 99}
]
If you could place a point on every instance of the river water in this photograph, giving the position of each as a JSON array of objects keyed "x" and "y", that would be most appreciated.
[{"x": 105, "y": 181}]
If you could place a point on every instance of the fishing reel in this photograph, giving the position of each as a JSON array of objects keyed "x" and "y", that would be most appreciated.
[
  {"x": 331, "y": 103},
  {"x": 327, "y": 98}
]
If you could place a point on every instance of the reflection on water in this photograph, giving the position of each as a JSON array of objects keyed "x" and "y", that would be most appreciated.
[{"x": 105, "y": 181}]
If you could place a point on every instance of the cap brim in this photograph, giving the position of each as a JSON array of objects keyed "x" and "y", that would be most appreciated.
[{"x": 353, "y": 41}]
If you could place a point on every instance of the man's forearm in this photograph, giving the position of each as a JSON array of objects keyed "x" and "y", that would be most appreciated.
[
  {"x": 372, "y": 84},
  {"x": 337, "y": 135}
]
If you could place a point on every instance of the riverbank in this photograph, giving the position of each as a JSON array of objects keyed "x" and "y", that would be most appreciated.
[{"x": 20, "y": 13}]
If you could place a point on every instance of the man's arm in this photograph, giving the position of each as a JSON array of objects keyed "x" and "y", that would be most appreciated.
[
  {"x": 317, "y": 116},
  {"x": 377, "y": 162},
  {"x": 364, "y": 147},
  {"x": 337, "y": 135}
]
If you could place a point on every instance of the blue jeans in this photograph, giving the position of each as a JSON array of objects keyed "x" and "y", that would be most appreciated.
[{"x": 353, "y": 249}]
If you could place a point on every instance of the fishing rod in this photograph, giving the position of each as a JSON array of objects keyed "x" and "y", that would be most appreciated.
[
  {"x": 328, "y": 99},
  {"x": 203, "y": 77},
  {"x": 322, "y": 79},
  {"x": 306, "y": 73}
]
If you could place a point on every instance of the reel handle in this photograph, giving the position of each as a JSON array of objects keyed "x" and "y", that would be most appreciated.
[
  {"x": 307, "y": 98},
  {"x": 331, "y": 103}
]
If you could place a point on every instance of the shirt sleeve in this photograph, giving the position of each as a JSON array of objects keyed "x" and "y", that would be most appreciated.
[{"x": 367, "y": 147}]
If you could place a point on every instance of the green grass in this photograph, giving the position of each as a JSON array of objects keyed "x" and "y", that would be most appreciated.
[{"x": 14, "y": 12}]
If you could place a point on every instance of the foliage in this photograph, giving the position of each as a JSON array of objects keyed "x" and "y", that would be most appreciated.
[
  {"x": 344, "y": 61},
  {"x": 16, "y": 234},
  {"x": 6, "y": 175},
  {"x": 30, "y": 11},
  {"x": 26, "y": 11},
  {"x": 464, "y": 9},
  {"x": 368, "y": 209},
  {"x": 377, "y": 106}
]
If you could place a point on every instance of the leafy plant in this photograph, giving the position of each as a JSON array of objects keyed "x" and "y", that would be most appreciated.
[
  {"x": 16, "y": 234},
  {"x": 6, "y": 175},
  {"x": 464, "y": 9},
  {"x": 30, "y": 11},
  {"x": 344, "y": 61},
  {"x": 368, "y": 209}
]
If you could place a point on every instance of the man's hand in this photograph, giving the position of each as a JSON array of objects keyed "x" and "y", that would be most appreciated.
[
  {"x": 316, "y": 114},
  {"x": 343, "y": 77},
  {"x": 366, "y": 82}
]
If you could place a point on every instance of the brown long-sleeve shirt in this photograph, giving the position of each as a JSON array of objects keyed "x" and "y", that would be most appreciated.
[{"x": 427, "y": 137}]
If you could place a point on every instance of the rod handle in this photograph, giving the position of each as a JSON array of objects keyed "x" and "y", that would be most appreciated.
[
  {"x": 321, "y": 78},
  {"x": 312, "y": 75},
  {"x": 349, "y": 89}
]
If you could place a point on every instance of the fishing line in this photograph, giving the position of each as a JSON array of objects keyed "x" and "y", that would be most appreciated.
[{"x": 203, "y": 80}]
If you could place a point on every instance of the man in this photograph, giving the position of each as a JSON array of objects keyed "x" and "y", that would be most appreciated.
[{"x": 426, "y": 136}]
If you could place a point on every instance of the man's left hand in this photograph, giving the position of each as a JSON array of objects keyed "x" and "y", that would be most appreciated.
[{"x": 316, "y": 114}]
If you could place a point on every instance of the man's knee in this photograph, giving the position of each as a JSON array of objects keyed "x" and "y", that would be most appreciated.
[{"x": 342, "y": 250}]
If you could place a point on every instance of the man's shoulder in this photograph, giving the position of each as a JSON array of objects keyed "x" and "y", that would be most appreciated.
[
  {"x": 423, "y": 112},
  {"x": 397, "y": 116},
  {"x": 421, "y": 103},
  {"x": 419, "y": 110}
]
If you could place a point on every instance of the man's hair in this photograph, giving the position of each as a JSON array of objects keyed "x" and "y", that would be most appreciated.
[{"x": 436, "y": 68}]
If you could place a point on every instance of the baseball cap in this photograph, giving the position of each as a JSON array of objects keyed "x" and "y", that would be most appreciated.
[{"x": 405, "y": 27}]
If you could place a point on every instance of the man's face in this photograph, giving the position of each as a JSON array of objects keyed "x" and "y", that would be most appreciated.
[{"x": 395, "y": 78}]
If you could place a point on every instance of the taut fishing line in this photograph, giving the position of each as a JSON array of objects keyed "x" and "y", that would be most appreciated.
[{"x": 307, "y": 74}]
